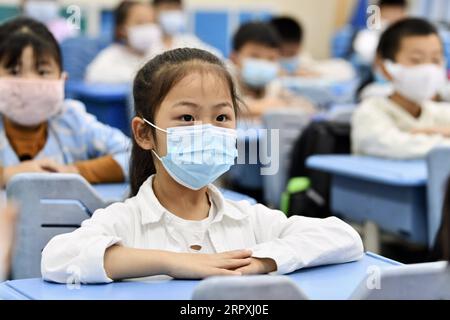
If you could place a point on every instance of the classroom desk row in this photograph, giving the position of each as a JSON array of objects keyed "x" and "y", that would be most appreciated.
[
  {"x": 334, "y": 282},
  {"x": 402, "y": 197}
]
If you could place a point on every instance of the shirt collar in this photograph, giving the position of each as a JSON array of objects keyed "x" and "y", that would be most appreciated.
[{"x": 152, "y": 211}]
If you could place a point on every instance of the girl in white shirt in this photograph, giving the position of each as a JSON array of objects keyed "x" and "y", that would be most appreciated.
[
  {"x": 408, "y": 123},
  {"x": 177, "y": 223},
  {"x": 134, "y": 35}
]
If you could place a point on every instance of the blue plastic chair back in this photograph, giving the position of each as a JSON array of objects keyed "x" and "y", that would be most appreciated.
[
  {"x": 263, "y": 287},
  {"x": 50, "y": 204},
  {"x": 78, "y": 52}
]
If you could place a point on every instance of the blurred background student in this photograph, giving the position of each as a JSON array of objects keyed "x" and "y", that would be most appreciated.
[
  {"x": 40, "y": 130},
  {"x": 295, "y": 61},
  {"x": 255, "y": 58},
  {"x": 48, "y": 12},
  {"x": 366, "y": 41},
  {"x": 407, "y": 124},
  {"x": 173, "y": 20},
  {"x": 135, "y": 34}
]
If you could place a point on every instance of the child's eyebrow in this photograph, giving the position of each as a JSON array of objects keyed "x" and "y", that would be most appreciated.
[{"x": 194, "y": 105}]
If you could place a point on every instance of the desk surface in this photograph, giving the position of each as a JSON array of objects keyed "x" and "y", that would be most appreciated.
[
  {"x": 409, "y": 173},
  {"x": 336, "y": 282}
]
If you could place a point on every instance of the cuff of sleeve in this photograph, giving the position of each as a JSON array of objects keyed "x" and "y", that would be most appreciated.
[
  {"x": 93, "y": 264},
  {"x": 285, "y": 260}
]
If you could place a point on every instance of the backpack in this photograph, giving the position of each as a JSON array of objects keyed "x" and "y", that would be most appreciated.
[{"x": 308, "y": 191}]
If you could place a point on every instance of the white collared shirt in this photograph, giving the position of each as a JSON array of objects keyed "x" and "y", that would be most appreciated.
[{"x": 141, "y": 222}]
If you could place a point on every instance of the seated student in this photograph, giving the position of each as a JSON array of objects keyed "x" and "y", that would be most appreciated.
[
  {"x": 296, "y": 62},
  {"x": 177, "y": 223},
  {"x": 7, "y": 226},
  {"x": 173, "y": 22},
  {"x": 366, "y": 40},
  {"x": 407, "y": 124},
  {"x": 47, "y": 12},
  {"x": 255, "y": 65},
  {"x": 134, "y": 35},
  {"x": 39, "y": 130}
]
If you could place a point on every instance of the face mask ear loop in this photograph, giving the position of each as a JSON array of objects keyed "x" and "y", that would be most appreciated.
[
  {"x": 151, "y": 124},
  {"x": 158, "y": 128}
]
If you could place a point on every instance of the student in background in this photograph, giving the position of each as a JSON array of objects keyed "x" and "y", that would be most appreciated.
[
  {"x": 7, "y": 228},
  {"x": 406, "y": 124},
  {"x": 295, "y": 61},
  {"x": 255, "y": 58},
  {"x": 173, "y": 21},
  {"x": 135, "y": 34},
  {"x": 177, "y": 223},
  {"x": 366, "y": 40},
  {"x": 48, "y": 12},
  {"x": 39, "y": 130}
]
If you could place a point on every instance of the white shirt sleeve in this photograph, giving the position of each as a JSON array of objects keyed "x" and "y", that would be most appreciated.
[
  {"x": 79, "y": 255},
  {"x": 300, "y": 242},
  {"x": 374, "y": 133}
]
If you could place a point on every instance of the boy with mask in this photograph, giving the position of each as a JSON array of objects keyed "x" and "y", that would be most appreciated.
[
  {"x": 255, "y": 58},
  {"x": 298, "y": 63},
  {"x": 172, "y": 19},
  {"x": 408, "y": 123}
]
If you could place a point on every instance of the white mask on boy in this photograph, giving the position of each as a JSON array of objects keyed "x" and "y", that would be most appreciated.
[{"x": 419, "y": 83}]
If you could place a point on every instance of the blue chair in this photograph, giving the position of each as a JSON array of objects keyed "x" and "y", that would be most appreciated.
[
  {"x": 263, "y": 287},
  {"x": 50, "y": 204},
  {"x": 424, "y": 281},
  {"x": 78, "y": 52},
  {"x": 342, "y": 42},
  {"x": 438, "y": 163}
]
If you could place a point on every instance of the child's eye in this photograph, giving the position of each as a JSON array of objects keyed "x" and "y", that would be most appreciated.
[
  {"x": 14, "y": 71},
  {"x": 187, "y": 118},
  {"x": 222, "y": 118}
]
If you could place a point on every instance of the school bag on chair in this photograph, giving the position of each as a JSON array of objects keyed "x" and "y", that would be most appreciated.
[{"x": 307, "y": 191}]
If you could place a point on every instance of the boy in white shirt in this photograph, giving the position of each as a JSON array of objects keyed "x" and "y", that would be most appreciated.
[{"x": 408, "y": 123}]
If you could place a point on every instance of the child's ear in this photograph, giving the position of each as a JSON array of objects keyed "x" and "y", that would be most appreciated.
[
  {"x": 64, "y": 76},
  {"x": 234, "y": 57},
  {"x": 142, "y": 134},
  {"x": 379, "y": 64}
]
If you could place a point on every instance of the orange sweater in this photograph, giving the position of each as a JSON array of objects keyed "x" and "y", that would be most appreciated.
[{"x": 27, "y": 144}]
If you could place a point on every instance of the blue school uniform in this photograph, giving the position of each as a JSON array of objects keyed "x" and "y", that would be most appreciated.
[{"x": 74, "y": 135}]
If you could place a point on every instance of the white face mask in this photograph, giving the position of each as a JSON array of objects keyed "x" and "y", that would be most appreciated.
[
  {"x": 143, "y": 37},
  {"x": 173, "y": 22},
  {"x": 417, "y": 83},
  {"x": 44, "y": 11}
]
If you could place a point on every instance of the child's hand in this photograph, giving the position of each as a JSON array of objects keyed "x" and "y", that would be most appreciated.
[
  {"x": 432, "y": 131},
  {"x": 199, "y": 266},
  {"x": 32, "y": 166},
  {"x": 258, "y": 266}
]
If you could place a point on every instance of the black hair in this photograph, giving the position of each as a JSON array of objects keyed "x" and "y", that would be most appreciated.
[
  {"x": 289, "y": 29},
  {"x": 152, "y": 84},
  {"x": 18, "y": 33},
  {"x": 257, "y": 32},
  {"x": 393, "y": 3},
  {"x": 159, "y": 2},
  {"x": 391, "y": 39}
]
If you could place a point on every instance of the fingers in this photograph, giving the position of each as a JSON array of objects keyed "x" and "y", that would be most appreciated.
[
  {"x": 235, "y": 263},
  {"x": 225, "y": 272},
  {"x": 237, "y": 254}
]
